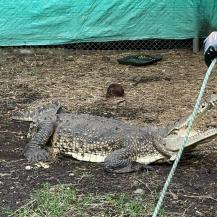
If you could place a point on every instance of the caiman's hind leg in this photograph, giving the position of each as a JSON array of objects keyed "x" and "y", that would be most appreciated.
[
  {"x": 33, "y": 151},
  {"x": 118, "y": 162}
]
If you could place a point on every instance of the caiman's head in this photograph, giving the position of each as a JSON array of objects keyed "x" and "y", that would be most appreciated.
[
  {"x": 169, "y": 146},
  {"x": 181, "y": 125},
  {"x": 177, "y": 131},
  {"x": 43, "y": 113},
  {"x": 38, "y": 115}
]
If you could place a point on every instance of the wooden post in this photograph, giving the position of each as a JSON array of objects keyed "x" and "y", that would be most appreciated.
[{"x": 196, "y": 46}]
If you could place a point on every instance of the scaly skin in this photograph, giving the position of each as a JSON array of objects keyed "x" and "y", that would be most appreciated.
[{"x": 122, "y": 147}]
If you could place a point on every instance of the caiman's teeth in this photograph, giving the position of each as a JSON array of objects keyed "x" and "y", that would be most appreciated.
[{"x": 206, "y": 134}]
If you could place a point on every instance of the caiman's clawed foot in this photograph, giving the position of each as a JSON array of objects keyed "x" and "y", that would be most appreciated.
[
  {"x": 118, "y": 162},
  {"x": 130, "y": 167},
  {"x": 36, "y": 154}
]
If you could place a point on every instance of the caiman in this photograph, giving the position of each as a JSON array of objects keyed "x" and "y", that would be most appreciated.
[{"x": 121, "y": 147}]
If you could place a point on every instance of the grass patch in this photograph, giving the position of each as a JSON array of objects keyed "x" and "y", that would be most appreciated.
[
  {"x": 48, "y": 201},
  {"x": 64, "y": 201}
]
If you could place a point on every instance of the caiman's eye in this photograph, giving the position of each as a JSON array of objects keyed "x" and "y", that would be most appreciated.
[{"x": 203, "y": 105}]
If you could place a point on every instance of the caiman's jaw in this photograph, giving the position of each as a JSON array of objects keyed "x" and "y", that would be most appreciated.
[
  {"x": 173, "y": 142},
  {"x": 176, "y": 132},
  {"x": 179, "y": 128}
]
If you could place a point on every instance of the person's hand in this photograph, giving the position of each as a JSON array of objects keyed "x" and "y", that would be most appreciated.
[{"x": 210, "y": 48}]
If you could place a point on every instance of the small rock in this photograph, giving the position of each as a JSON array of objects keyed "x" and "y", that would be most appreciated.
[
  {"x": 139, "y": 191},
  {"x": 135, "y": 183},
  {"x": 42, "y": 165},
  {"x": 4, "y": 174},
  {"x": 1, "y": 183},
  {"x": 25, "y": 51},
  {"x": 28, "y": 178},
  {"x": 11, "y": 105},
  {"x": 69, "y": 58},
  {"x": 39, "y": 63},
  {"x": 71, "y": 174},
  {"x": 28, "y": 167},
  {"x": 106, "y": 58},
  {"x": 198, "y": 213}
]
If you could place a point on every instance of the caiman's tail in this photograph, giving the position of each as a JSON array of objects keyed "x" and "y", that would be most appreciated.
[{"x": 45, "y": 112}]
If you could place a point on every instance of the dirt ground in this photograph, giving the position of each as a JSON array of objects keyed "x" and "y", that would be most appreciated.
[{"x": 156, "y": 94}]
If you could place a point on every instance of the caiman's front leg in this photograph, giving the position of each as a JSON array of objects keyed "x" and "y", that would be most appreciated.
[
  {"x": 119, "y": 162},
  {"x": 33, "y": 151}
]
